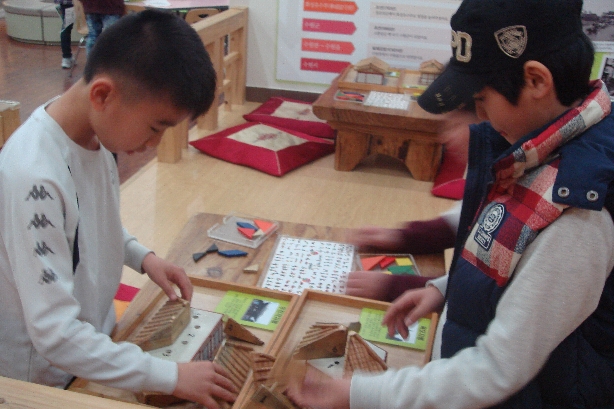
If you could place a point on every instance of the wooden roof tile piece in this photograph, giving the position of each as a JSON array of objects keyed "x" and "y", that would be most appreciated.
[
  {"x": 262, "y": 364},
  {"x": 322, "y": 341},
  {"x": 360, "y": 356},
  {"x": 164, "y": 327},
  {"x": 236, "y": 330},
  {"x": 372, "y": 64},
  {"x": 235, "y": 358}
]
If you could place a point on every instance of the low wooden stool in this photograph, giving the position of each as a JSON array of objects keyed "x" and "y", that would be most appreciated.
[{"x": 9, "y": 119}]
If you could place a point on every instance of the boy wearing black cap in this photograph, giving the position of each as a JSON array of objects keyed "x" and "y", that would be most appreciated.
[{"x": 528, "y": 304}]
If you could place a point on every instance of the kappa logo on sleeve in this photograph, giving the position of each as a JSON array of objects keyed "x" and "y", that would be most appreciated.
[
  {"x": 39, "y": 193},
  {"x": 39, "y": 222},
  {"x": 48, "y": 276},
  {"x": 42, "y": 249}
]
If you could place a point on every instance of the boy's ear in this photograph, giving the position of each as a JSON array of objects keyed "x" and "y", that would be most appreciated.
[
  {"x": 102, "y": 91},
  {"x": 538, "y": 79}
]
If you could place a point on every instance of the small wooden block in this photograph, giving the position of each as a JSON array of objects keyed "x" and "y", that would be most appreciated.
[
  {"x": 249, "y": 233},
  {"x": 386, "y": 261},
  {"x": 232, "y": 253},
  {"x": 264, "y": 226},
  {"x": 236, "y": 330},
  {"x": 212, "y": 249},
  {"x": 369, "y": 262},
  {"x": 251, "y": 269},
  {"x": 198, "y": 256},
  {"x": 259, "y": 233}
]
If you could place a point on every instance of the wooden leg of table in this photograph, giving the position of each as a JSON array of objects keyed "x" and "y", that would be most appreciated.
[
  {"x": 350, "y": 148},
  {"x": 423, "y": 159},
  {"x": 173, "y": 141}
]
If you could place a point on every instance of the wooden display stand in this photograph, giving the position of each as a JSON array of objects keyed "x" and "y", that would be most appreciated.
[{"x": 9, "y": 119}]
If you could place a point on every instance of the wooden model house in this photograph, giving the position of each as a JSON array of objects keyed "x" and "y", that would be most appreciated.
[
  {"x": 371, "y": 70},
  {"x": 429, "y": 70}
]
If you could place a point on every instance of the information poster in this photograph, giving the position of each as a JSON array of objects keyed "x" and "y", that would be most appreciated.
[{"x": 317, "y": 39}]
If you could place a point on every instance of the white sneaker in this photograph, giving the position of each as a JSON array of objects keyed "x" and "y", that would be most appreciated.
[{"x": 68, "y": 62}]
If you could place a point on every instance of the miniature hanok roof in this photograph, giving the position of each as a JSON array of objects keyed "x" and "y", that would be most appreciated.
[
  {"x": 235, "y": 358},
  {"x": 262, "y": 364},
  {"x": 322, "y": 341},
  {"x": 360, "y": 356},
  {"x": 372, "y": 65},
  {"x": 164, "y": 327},
  {"x": 431, "y": 67},
  {"x": 236, "y": 330}
]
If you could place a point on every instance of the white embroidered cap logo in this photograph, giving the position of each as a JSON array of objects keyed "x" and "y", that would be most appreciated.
[
  {"x": 461, "y": 42},
  {"x": 512, "y": 40}
]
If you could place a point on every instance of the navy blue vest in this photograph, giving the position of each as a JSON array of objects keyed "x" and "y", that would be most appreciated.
[{"x": 580, "y": 371}]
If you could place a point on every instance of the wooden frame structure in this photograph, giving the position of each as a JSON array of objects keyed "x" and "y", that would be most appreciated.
[{"x": 225, "y": 38}]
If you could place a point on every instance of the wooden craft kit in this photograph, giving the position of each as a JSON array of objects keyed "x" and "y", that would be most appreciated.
[{"x": 258, "y": 332}]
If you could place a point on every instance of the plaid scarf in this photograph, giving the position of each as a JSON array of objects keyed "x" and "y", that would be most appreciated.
[{"x": 520, "y": 203}]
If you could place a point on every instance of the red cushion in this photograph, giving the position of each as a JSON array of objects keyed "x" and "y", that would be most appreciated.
[
  {"x": 450, "y": 179},
  {"x": 291, "y": 114},
  {"x": 267, "y": 148}
]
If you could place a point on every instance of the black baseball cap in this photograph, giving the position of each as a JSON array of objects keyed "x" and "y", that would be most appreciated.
[{"x": 489, "y": 36}]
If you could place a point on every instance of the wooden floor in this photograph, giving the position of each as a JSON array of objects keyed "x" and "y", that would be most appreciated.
[{"x": 158, "y": 200}]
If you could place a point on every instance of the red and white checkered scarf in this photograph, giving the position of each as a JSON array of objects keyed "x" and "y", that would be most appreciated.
[{"x": 520, "y": 204}]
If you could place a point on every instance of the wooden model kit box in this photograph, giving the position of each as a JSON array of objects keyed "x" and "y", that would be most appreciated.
[{"x": 267, "y": 328}]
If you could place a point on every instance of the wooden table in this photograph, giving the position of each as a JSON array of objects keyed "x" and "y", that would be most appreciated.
[
  {"x": 193, "y": 238},
  {"x": 409, "y": 135}
]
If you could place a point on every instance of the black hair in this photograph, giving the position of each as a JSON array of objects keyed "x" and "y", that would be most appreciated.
[
  {"x": 156, "y": 53},
  {"x": 570, "y": 68}
]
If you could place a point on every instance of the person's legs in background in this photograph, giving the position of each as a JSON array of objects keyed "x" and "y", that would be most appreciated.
[
  {"x": 94, "y": 28},
  {"x": 65, "y": 38},
  {"x": 95, "y": 24}
]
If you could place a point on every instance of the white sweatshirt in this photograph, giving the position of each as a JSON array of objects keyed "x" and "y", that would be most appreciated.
[{"x": 54, "y": 323}]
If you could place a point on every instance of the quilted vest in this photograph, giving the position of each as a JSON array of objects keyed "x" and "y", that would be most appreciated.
[{"x": 580, "y": 371}]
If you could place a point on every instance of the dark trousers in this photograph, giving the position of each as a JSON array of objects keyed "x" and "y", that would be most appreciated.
[{"x": 65, "y": 34}]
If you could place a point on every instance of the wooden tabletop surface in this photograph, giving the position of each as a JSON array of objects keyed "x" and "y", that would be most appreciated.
[
  {"x": 193, "y": 238},
  {"x": 326, "y": 107}
]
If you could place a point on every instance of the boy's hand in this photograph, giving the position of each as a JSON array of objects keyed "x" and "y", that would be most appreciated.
[
  {"x": 318, "y": 390},
  {"x": 203, "y": 382},
  {"x": 166, "y": 274},
  {"x": 411, "y": 306},
  {"x": 368, "y": 284},
  {"x": 375, "y": 238}
]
